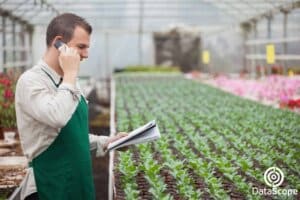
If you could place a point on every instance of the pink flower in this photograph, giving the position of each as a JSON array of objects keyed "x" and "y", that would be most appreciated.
[
  {"x": 5, "y": 81},
  {"x": 8, "y": 94}
]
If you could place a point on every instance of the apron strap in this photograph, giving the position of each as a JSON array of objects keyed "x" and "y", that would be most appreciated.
[{"x": 56, "y": 84}]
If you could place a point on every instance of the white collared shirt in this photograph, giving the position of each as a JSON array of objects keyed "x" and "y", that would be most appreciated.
[{"x": 42, "y": 109}]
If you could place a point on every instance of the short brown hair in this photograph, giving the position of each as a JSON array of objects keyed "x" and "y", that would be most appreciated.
[{"x": 64, "y": 25}]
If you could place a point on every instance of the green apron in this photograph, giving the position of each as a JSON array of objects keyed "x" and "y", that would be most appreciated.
[{"x": 64, "y": 171}]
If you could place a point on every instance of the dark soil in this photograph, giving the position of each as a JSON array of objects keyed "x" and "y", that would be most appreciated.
[
  {"x": 143, "y": 185},
  {"x": 169, "y": 180},
  {"x": 119, "y": 193}
]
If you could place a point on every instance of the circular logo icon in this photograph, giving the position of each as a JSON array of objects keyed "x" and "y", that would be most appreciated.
[{"x": 273, "y": 177}]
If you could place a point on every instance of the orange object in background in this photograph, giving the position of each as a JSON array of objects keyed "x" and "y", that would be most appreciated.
[{"x": 195, "y": 74}]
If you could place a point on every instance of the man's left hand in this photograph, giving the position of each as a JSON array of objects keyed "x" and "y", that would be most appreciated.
[{"x": 114, "y": 138}]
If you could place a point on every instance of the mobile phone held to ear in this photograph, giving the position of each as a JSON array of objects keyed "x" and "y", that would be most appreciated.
[{"x": 59, "y": 45}]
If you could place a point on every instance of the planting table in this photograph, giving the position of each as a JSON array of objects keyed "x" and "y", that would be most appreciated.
[{"x": 214, "y": 145}]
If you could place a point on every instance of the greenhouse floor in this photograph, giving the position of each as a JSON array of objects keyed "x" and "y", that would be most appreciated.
[
  {"x": 99, "y": 125},
  {"x": 100, "y": 171}
]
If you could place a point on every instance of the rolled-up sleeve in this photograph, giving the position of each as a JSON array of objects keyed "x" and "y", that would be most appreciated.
[{"x": 97, "y": 142}]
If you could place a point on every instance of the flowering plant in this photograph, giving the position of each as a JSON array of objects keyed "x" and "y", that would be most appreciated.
[
  {"x": 293, "y": 103},
  {"x": 7, "y": 101}
]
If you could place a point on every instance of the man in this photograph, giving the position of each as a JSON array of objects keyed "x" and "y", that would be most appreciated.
[{"x": 52, "y": 118}]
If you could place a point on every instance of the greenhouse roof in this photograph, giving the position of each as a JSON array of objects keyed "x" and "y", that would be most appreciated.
[{"x": 130, "y": 15}]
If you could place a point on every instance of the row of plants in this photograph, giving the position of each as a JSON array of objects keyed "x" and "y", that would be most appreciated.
[
  {"x": 149, "y": 69},
  {"x": 281, "y": 90},
  {"x": 214, "y": 145}
]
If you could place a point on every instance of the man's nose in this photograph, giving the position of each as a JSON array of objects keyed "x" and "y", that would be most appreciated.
[{"x": 85, "y": 54}]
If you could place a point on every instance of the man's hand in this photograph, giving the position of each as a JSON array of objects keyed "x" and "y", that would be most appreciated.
[
  {"x": 69, "y": 61},
  {"x": 114, "y": 138}
]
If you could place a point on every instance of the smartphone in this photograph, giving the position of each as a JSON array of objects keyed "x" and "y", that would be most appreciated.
[{"x": 60, "y": 45}]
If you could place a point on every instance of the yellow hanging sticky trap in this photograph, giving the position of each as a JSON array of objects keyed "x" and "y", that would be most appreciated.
[
  {"x": 270, "y": 52},
  {"x": 205, "y": 57},
  {"x": 291, "y": 73}
]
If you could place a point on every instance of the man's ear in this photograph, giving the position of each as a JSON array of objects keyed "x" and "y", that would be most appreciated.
[
  {"x": 58, "y": 44},
  {"x": 56, "y": 39}
]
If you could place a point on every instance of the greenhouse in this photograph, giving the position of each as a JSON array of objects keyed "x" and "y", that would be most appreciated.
[{"x": 148, "y": 99}]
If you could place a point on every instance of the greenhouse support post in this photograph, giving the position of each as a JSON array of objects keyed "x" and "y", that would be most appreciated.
[{"x": 112, "y": 133}]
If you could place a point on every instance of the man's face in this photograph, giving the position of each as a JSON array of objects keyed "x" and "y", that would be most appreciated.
[{"x": 80, "y": 41}]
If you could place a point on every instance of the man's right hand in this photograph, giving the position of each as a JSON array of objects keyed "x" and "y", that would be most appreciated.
[{"x": 69, "y": 60}]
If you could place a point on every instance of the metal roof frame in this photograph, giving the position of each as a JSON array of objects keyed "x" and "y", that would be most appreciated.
[{"x": 235, "y": 11}]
